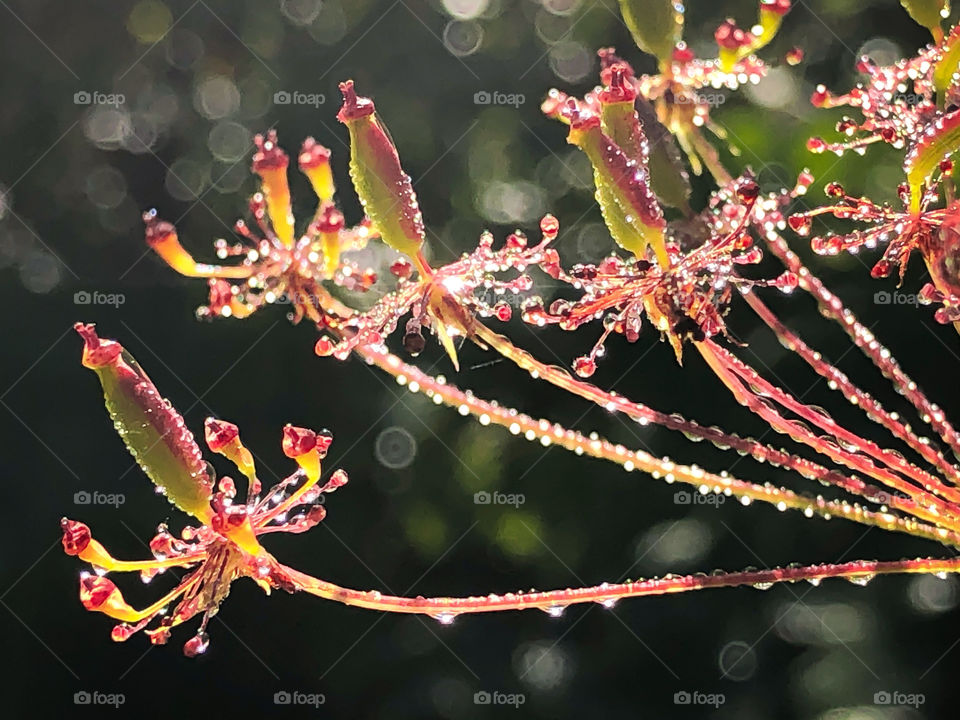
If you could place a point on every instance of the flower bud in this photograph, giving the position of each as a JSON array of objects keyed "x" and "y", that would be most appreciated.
[
  {"x": 270, "y": 163},
  {"x": 314, "y": 162},
  {"x": 630, "y": 209},
  {"x": 154, "y": 433},
  {"x": 385, "y": 190},
  {"x": 100, "y": 594},
  {"x": 301, "y": 444}
]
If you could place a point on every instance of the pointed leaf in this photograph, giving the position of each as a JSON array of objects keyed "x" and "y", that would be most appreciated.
[
  {"x": 656, "y": 25},
  {"x": 928, "y": 13}
]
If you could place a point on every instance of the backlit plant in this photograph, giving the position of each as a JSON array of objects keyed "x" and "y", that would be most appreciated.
[{"x": 678, "y": 276}]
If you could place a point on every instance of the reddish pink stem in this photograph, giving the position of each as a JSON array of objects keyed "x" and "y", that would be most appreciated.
[
  {"x": 873, "y": 409},
  {"x": 832, "y": 307},
  {"x": 893, "y": 461},
  {"x": 764, "y": 453},
  {"x": 446, "y": 609},
  {"x": 546, "y": 432},
  {"x": 933, "y": 508}
]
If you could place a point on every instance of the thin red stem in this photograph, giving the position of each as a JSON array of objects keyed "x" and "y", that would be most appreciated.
[
  {"x": 873, "y": 409},
  {"x": 833, "y": 308},
  {"x": 554, "y": 601}
]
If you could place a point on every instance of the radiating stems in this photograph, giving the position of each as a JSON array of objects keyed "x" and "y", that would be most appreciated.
[
  {"x": 554, "y": 601},
  {"x": 613, "y": 402},
  {"x": 832, "y": 307},
  {"x": 893, "y": 461},
  {"x": 874, "y": 410},
  {"x": 934, "y": 510},
  {"x": 663, "y": 468}
]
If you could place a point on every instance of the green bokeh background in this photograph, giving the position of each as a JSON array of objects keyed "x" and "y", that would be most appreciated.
[{"x": 196, "y": 77}]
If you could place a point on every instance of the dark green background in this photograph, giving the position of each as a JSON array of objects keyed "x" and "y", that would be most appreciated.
[{"x": 583, "y": 522}]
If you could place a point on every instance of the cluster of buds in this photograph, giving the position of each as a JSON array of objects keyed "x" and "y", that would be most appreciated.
[
  {"x": 687, "y": 299},
  {"x": 225, "y": 545},
  {"x": 686, "y": 88},
  {"x": 277, "y": 265},
  {"x": 448, "y": 299},
  {"x": 910, "y": 105},
  {"x": 933, "y": 233}
]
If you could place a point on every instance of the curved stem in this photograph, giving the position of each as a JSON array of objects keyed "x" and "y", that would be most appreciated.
[
  {"x": 892, "y": 461},
  {"x": 554, "y": 601}
]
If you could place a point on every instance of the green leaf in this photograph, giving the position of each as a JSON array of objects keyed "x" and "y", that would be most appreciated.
[
  {"x": 656, "y": 25},
  {"x": 668, "y": 174},
  {"x": 923, "y": 159},
  {"x": 928, "y": 13},
  {"x": 947, "y": 65}
]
